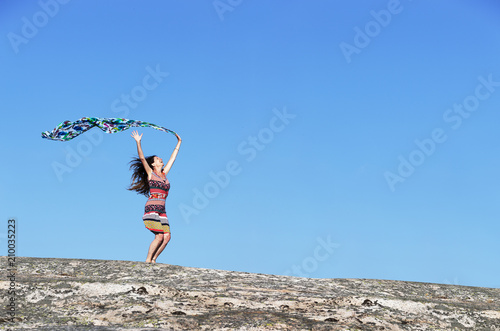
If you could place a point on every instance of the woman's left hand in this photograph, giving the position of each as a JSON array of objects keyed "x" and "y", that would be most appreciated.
[{"x": 136, "y": 136}]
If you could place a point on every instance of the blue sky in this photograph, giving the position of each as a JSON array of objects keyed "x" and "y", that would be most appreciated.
[{"x": 320, "y": 139}]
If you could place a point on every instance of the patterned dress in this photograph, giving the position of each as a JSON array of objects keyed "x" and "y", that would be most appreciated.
[{"x": 155, "y": 217}]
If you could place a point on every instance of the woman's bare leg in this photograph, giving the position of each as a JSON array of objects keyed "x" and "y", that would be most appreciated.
[
  {"x": 166, "y": 239},
  {"x": 157, "y": 242}
]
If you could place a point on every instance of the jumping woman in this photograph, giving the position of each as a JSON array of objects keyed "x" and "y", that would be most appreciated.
[{"x": 150, "y": 178}]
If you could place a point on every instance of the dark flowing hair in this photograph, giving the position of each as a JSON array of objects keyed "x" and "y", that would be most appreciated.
[{"x": 139, "y": 182}]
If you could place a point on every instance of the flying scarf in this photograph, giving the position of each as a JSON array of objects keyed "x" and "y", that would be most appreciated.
[{"x": 68, "y": 130}]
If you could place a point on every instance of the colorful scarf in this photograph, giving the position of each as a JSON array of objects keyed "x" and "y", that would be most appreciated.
[{"x": 68, "y": 130}]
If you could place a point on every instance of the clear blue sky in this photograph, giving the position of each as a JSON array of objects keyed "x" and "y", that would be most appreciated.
[{"x": 326, "y": 139}]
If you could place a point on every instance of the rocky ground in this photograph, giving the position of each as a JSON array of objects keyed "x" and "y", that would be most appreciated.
[{"x": 71, "y": 294}]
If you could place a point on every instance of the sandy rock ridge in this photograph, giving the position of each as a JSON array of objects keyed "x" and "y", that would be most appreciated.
[{"x": 74, "y": 294}]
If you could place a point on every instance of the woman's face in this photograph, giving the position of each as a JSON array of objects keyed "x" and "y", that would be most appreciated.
[{"x": 158, "y": 162}]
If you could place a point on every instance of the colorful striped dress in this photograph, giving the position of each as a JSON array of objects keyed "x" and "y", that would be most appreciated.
[{"x": 155, "y": 217}]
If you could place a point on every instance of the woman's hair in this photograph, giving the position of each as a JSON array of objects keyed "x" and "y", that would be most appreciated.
[{"x": 139, "y": 182}]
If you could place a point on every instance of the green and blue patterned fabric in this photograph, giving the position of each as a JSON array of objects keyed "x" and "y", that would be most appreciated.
[{"x": 68, "y": 130}]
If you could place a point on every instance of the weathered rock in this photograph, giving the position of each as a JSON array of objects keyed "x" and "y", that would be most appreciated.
[{"x": 71, "y": 294}]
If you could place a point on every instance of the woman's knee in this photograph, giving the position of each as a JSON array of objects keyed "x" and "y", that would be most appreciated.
[{"x": 166, "y": 237}]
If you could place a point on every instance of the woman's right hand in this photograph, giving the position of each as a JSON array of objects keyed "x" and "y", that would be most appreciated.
[{"x": 136, "y": 136}]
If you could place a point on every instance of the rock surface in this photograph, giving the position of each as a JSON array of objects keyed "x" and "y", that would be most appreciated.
[{"x": 72, "y": 294}]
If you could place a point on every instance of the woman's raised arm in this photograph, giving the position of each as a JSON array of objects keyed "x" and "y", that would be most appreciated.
[
  {"x": 137, "y": 139},
  {"x": 171, "y": 161}
]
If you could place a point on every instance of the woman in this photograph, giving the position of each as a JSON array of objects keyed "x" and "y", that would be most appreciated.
[{"x": 150, "y": 178}]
